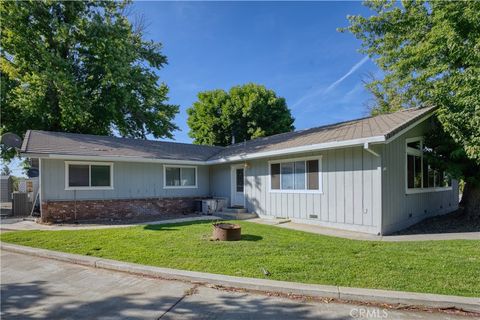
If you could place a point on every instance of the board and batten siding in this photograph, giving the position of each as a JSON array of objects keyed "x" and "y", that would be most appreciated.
[
  {"x": 351, "y": 197},
  {"x": 131, "y": 180},
  {"x": 400, "y": 209},
  {"x": 220, "y": 181}
]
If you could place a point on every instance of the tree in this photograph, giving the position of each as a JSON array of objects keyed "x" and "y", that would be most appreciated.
[
  {"x": 429, "y": 53},
  {"x": 6, "y": 170},
  {"x": 244, "y": 113},
  {"x": 80, "y": 66}
]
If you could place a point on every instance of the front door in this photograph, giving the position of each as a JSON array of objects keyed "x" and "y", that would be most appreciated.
[{"x": 238, "y": 185}]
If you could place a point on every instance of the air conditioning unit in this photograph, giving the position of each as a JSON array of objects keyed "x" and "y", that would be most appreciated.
[{"x": 210, "y": 206}]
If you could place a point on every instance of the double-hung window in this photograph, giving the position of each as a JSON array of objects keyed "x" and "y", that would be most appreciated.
[
  {"x": 88, "y": 175},
  {"x": 296, "y": 176},
  {"x": 180, "y": 177},
  {"x": 420, "y": 175}
]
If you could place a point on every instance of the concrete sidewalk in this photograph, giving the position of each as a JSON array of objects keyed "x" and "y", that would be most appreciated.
[
  {"x": 311, "y": 228},
  {"x": 18, "y": 224},
  {"x": 283, "y": 287},
  {"x": 38, "y": 288}
]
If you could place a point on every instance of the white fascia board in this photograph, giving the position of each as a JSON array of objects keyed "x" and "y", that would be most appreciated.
[
  {"x": 301, "y": 149},
  {"x": 114, "y": 159},
  {"x": 413, "y": 125},
  {"x": 256, "y": 155}
]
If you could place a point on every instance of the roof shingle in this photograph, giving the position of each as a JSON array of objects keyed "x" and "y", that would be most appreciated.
[{"x": 45, "y": 142}]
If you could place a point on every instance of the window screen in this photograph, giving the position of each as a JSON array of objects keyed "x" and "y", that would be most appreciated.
[
  {"x": 297, "y": 175},
  {"x": 78, "y": 175},
  {"x": 286, "y": 169},
  {"x": 313, "y": 173},
  {"x": 420, "y": 172},
  {"x": 180, "y": 177},
  {"x": 100, "y": 176},
  {"x": 275, "y": 176},
  {"x": 172, "y": 177},
  {"x": 89, "y": 175}
]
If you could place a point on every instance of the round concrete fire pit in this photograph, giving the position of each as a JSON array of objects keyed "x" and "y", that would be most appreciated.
[{"x": 226, "y": 232}]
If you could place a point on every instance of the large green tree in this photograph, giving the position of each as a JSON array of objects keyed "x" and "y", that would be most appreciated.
[
  {"x": 245, "y": 112},
  {"x": 80, "y": 66},
  {"x": 429, "y": 52}
]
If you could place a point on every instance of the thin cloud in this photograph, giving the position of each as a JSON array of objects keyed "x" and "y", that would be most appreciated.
[
  {"x": 346, "y": 75},
  {"x": 321, "y": 91}
]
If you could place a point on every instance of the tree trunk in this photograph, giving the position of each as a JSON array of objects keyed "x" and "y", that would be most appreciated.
[{"x": 471, "y": 200}]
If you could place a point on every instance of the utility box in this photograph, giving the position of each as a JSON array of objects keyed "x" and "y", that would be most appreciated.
[{"x": 20, "y": 205}]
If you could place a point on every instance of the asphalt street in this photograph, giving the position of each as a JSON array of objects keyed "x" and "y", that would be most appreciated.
[{"x": 38, "y": 288}]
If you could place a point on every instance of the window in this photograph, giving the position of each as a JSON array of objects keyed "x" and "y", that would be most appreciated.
[
  {"x": 421, "y": 176},
  {"x": 296, "y": 175},
  {"x": 86, "y": 175},
  {"x": 239, "y": 180},
  {"x": 180, "y": 177}
]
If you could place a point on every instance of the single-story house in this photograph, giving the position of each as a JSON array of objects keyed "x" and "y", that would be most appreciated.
[{"x": 366, "y": 175}]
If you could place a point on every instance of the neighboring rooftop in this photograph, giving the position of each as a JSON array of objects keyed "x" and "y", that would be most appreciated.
[{"x": 387, "y": 125}]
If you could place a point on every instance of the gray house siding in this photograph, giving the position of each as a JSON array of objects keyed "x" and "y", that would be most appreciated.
[
  {"x": 131, "y": 180},
  {"x": 351, "y": 198},
  {"x": 220, "y": 181},
  {"x": 399, "y": 208}
]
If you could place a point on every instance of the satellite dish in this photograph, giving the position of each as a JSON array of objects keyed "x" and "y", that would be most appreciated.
[
  {"x": 11, "y": 140},
  {"x": 32, "y": 172}
]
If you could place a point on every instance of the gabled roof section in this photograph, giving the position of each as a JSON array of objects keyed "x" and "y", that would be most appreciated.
[
  {"x": 74, "y": 144},
  {"x": 381, "y": 127},
  {"x": 376, "y": 129}
]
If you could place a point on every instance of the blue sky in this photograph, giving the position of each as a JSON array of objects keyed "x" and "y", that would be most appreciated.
[{"x": 290, "y": 47}]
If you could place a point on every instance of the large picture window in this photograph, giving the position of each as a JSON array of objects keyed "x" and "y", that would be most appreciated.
[
  {"x": 296, "y": 175},
  {"x": 420, "y": 175},
  {"x": 180, "y": 177},
  {"x": 88, "y": 175}
]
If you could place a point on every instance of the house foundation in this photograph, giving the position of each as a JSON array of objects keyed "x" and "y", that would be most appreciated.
[{"x": 116, "y": 209}]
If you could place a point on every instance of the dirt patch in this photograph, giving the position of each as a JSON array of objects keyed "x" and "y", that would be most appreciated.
[{"x": 450, "y": 223}]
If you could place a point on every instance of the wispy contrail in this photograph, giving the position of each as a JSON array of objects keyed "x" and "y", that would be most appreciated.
[
  {"x": 333, "y": 85},
  {"x": 346, "y": 75}
]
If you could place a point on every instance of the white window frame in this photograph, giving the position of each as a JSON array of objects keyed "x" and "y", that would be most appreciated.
[
  {"x": 179, "y": 187},
  {"x": 304, "y": 191},
  {"x": 416, "y": 152},
  {"x": 89, "y": 163}
]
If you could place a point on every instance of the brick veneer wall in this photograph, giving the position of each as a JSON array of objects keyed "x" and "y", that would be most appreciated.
[{"x": 118, "y": 209}]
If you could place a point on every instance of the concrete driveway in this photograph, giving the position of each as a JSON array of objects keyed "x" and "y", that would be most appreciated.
[{"x": 37, "y": 288}]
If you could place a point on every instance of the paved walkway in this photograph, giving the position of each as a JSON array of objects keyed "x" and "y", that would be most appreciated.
[
  {"x": 282, "y": 223},
  {"x": 37, "y": 288},
  {"x": 18, "y": 224}
]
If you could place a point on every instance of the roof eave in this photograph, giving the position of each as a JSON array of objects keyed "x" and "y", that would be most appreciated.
[
  {"x": 300, "y": 149},
  {"x": 56, "y": 156},
  {"x": 392, "y": 136},
  {"x": 256, "y": 155}
]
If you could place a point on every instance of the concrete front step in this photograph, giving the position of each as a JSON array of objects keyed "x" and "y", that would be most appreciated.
[
  {"x": 235, "y": 210},
  {"x": 236, "y": 216}
]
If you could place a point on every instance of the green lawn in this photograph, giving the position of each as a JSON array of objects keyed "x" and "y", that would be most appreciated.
[{"x": 443, "y": 267}]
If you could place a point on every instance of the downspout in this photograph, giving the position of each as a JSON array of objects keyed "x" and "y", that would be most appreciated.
[
  {"x": 367, "y": 148},
  {"x": 40, "y": 198}
]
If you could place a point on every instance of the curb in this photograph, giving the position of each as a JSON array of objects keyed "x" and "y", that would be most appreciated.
[{"x": 320, "y": 291}]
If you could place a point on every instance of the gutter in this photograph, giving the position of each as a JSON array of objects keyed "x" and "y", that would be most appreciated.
[
  {"x": 301, "y": 149},
  {"x": 251, "y": 156}
]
